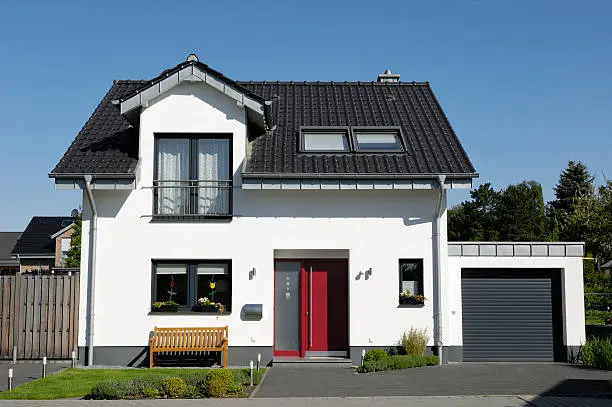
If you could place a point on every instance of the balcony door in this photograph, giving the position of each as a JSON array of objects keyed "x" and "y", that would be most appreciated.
[{"x": 193, "y": 175}]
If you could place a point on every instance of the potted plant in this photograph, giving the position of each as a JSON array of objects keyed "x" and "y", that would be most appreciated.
[
  {"x": 167, "y": 306},
  {"x": 406, "y": 297},
  {"x": 206, "y": 305},
  {"x": 209, "y": 305}
]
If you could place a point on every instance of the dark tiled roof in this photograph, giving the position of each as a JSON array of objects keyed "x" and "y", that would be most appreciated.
[
  {"x": 7, "y": 242},
  {"x": 107, "y": 144},
  {"x": 36, "y": 239},
  {"x": 431, "y": 144}
]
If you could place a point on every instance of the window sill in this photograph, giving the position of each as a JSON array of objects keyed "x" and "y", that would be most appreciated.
[
  {"x": 410, "y": 305},
  {"x": 190, "y": 218},
  {"x": 191, "y": 313}
]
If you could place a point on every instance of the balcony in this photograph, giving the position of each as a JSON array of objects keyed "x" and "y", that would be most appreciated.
[{"x": 192, "y": 199}]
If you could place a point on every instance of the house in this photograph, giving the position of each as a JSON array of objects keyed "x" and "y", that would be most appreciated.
[
  {"x": 303, "y": 211},
  {"x": 8, "y": 264},
  {"x": 44, "y": 243}
]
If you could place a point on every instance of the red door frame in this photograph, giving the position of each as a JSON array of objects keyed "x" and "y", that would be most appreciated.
[{"x": 304, "y": 305}]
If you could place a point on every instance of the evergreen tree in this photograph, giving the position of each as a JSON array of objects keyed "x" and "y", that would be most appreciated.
[
  {"x": 575, "y": 184},
  {"x": 475, "y": 220},
  {"x": 521, "y": 213},
  {"x": 575, "y": 181}
]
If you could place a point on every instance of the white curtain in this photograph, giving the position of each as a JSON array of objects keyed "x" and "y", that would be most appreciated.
[
  {"x": 173, "y": 166},
  {"x": 214, "y": 176}
]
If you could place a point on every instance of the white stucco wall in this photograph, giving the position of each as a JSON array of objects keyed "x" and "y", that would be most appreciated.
[
  {"x": 571, "y": 284},
  {"x": 376, "y": 227}
]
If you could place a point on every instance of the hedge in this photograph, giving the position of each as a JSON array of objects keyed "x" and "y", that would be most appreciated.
[{"x": 396, "y": 362}]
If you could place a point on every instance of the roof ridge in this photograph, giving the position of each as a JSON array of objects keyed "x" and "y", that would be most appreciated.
[
  {"x": 130, "y": 81},
  {"x": 326, "y": 83}
]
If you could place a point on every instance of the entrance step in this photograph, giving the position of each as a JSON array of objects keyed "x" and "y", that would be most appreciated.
[{"x": 311, "y": 362}]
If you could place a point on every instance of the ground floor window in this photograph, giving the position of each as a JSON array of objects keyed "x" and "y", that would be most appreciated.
[
  {"x": 411, "y": 281},
  {"x": 201, "y": 286}
]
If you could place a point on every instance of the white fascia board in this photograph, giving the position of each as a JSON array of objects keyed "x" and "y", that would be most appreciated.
[
  {"x": 56, "y": 234},
  {"x": 189, "y": 74},
  {"x": 339, "y": 183},
  {"x": 97, "y": 184}
]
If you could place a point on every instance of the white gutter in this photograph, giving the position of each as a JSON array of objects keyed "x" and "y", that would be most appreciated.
[
  {"x": 437, "y": 261},
  {"x": 91, "y": 280}
]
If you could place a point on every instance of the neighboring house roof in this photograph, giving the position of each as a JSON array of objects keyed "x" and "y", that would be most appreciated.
[
  {"x": 7, "y": 243},
  {"x": 107, "y": 146},
  {"x": 36, "y": 238}
]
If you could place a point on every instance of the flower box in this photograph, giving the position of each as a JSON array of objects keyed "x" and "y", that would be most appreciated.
[
  {"x": 412, "y": 300},
  {"x": 165, "y": 308},
  {"x": 205, "y": 308}
]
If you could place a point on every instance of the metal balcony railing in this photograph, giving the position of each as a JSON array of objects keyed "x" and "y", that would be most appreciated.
[{"x": 173, "y": 198}]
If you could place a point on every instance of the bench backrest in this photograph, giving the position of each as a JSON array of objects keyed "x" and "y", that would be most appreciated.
[{"x": 189, "y": 337}]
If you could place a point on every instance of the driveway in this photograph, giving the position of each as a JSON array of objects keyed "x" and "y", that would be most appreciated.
[
  {"x": 447, "y": 380},
  {"x": 26, "y": 371}
]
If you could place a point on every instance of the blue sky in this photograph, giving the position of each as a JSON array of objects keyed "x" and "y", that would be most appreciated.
[{"x": 527, "y": 85}]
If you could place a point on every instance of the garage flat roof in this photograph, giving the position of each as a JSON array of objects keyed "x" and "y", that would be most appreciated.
[{"x": 516, "y": 249}]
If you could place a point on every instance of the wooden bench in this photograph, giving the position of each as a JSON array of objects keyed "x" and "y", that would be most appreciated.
[{"x": 177, "y": 340}]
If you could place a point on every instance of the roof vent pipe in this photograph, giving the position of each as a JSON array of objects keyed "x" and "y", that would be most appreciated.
[{"x": 387, "y": 76}]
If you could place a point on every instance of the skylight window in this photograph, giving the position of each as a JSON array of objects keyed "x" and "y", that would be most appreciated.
[
  {"x": 325, "y": 141},
  {"x": 377, "y": 141}
]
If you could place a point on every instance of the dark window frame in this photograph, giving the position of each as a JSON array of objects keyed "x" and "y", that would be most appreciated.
[
  {"x": 193, "y": 171},
  {"x": 419, "y": 279},
  {"x": 192, "y": 276}
]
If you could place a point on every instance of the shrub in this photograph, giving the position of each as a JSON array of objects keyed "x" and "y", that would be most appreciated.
[
  {"x": 415, "y": 341},
  {"x": 375, "y": 355},
  {"x": 598, "y": 353},
  {"x": 218, "y": 382},
  {"x": 150, "y": 393},
  {"x": 398, "y": 362},
  {"x": 108, "y": 390},
  {"x": 173, "y": 388},
  {"x": 242, "y": 376}
]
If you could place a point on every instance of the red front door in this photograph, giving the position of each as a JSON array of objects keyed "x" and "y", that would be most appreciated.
[
  {"x": 316, "y": 323},
  {"x": 325, "y": 301}
]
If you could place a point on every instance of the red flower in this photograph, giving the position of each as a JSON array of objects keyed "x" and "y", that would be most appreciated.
[{"x": 171, "y": 283}]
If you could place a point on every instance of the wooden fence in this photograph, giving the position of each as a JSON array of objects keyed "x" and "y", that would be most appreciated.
[{"x": 39, "y": 315}]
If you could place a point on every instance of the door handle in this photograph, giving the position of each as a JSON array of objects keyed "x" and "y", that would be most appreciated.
[{"x": 310, "y": 309}]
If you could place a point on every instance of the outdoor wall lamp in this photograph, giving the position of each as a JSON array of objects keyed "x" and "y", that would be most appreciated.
[
  {"x": 252, "y": 273},
  {"x": 368, "y": 272}
]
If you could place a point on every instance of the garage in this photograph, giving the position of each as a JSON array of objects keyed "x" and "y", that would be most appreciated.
[{"x": 512, "y": 315}]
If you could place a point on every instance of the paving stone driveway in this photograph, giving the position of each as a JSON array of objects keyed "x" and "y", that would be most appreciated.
[
  {"x": 447, "y": 380},
  {"x": 26, "y": 371}
]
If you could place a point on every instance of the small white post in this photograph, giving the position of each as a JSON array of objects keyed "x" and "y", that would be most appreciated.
[
  {"x": 10, "y": 380},
  {"x": 44, "y": 365},
  {"x": 73, "y": 359},
  {"x": 251, "y": 367},
  {"x": 362, "y": 356},
  {"x": 258, "y": 361}
]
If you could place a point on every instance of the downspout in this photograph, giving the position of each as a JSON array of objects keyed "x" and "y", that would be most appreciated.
[
  {"x": 91, "y": 280},
  {"x": 437, "y": 261}
]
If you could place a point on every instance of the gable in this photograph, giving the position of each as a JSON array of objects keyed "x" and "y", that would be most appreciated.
[{"x": 191, "y": 71}]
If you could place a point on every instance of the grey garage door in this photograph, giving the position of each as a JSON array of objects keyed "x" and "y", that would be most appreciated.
[{"x": 508, "y": 315}]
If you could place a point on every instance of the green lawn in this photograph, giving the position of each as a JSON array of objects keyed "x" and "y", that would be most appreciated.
[
  {"x": 72, "y": 383},
  {"x": 594, "y": 317}
]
